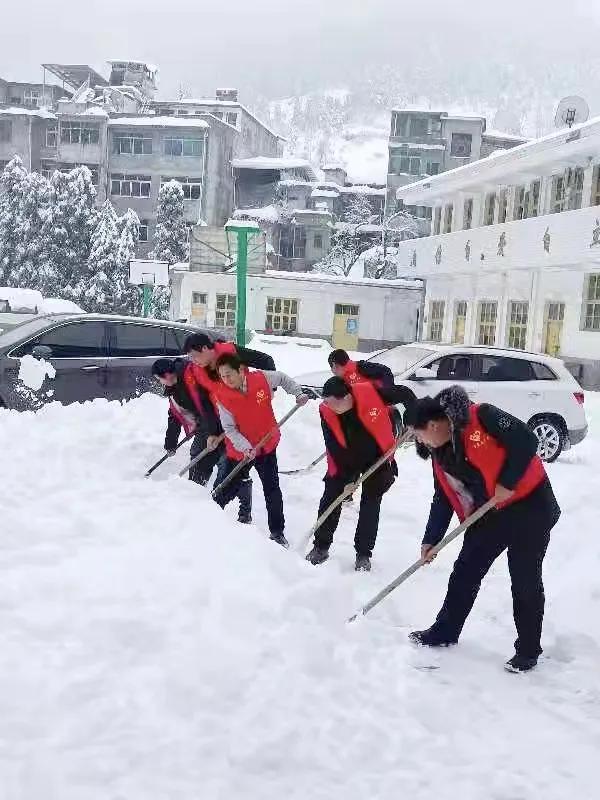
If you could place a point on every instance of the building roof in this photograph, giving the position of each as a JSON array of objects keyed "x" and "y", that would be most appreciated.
[
  {"x": 273, "y": 163},
  {"x": 490, "y": 133},
  {"x": 76, "y": 74},
  {"x": 321, "y": 277},
  {"x": 208, "y": 102},
  {"x": 21, "y": 111},
  {"x": 148, "y": 121},
  {"x": 522, "y": 163}
]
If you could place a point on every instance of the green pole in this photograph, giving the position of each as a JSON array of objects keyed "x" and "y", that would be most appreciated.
[
  {"x": 147, "y": 294},
  {"x": 242, "y": 273}
]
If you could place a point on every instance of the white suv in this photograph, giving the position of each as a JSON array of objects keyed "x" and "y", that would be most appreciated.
[{"x": 535, "y": 388}]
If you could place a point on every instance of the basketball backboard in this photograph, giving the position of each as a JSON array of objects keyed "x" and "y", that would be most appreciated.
[
  {"x": 148, "y": 272},
  {"x": 571, "y": 111}
]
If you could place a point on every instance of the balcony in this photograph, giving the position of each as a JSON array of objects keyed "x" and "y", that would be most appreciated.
[
  {"x": 570, "y": 239},
  {"x": 433, "y": 141}
]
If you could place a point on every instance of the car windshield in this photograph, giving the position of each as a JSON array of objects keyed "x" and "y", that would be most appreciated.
[
  {"x": 27, "y": 329},
  {"x": 399, "y": 359}
]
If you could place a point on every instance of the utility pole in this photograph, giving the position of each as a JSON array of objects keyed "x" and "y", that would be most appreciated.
[{"x": 242, "y": 230}]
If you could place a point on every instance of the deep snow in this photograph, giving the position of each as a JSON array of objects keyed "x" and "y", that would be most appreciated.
[{"x": 153, "y": 649}]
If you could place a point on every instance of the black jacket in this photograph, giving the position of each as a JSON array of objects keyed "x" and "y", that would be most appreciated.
[
  {"x": 255, "y": 359},
  {"x": 519, "y": 442},
  {"x": 206, "y": 417},
  {"x": 376, "y": 372}
]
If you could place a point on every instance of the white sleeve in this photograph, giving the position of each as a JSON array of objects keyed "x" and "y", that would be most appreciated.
[{"x": 280, "y": 379}]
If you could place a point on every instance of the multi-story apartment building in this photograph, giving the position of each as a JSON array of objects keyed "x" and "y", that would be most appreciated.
[
  {"x": 514, "y": 255},
  {"x": 114, "y": 128},
  {"x": 429, "y": 142}
]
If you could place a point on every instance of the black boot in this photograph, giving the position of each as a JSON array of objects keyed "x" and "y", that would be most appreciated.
[
  {"x": 363, "y": 563},
  {"x": 280, "y": 539},
  {"x": 520, "y": 664},
  {"x": 431, "y": 638},
  {"x": 245, "y": 498},
  {"x": 317, "y": 556}
]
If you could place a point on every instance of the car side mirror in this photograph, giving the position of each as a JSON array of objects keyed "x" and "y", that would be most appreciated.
[
  {"x": 423, "y": 374},
  {"x": 42, "y": 352}
]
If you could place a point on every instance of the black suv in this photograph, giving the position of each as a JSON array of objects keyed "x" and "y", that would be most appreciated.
[{"x": 94, "y": 355}]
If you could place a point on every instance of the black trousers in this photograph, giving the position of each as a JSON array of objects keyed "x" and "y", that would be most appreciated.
[
  {"x": 201, "y": 472},
  {"x": 365, "y": 536},
  {"x": 268, "y": 472},
  {"x": 523, "y": 530}
]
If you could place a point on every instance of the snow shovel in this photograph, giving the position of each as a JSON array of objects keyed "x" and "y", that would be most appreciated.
[
  {"x": 239, "y": 467},
  {"x": 200, "y": 456},
  {"x": 352, "y": 487},
  {"x": 168, "y": 455},
  {"x": 460, "y": 529},
  {"x": 303, "y": 469}
]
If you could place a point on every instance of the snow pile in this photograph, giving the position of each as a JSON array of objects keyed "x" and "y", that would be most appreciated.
[
  {"x": 22, "y": 300},
  {"x": 33, "y": 372},
  {"x": 56, "y": 305},
  {"x": 152, "y": 648}
]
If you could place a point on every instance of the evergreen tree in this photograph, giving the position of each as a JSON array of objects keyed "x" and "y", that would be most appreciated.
[
  {"x": 95, "y": 291},
  {"x": 126, "y": 298},
  {"x": 358, "y": 211},
  {"x": 31, "y": 267},
  {"x": 11, "y": 193},
  {"x": 70, "y": 225},
  {"x": 170, "y": 236}
]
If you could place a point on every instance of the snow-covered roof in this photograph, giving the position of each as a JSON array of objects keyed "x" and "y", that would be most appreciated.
[
  {"x": 266, "y": 214},
  {"x": 324, "y": 193},
  {"x": 19, "y": 111},
  {"x": 416, "y": 146},
  {"x": 208, "y": 101},
  {"x": 538, "y": 157},
  {"x": 361, "y": 189},
  {"x": 321, "y": 277},
  {"x": 490, "y": 133},
  {"x": 271, "y": 162},
  {"x": 149, "y": 121}
]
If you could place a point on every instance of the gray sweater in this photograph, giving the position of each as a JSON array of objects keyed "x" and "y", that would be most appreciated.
[{"x": 275, "y": 381}]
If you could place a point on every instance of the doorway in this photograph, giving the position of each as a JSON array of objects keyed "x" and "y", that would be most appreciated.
[
  {"x": 554, "y": 315},
  {"x": 345, "y": 326}
]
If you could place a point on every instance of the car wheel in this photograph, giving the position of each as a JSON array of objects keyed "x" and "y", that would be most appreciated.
[{"x": 550, "y": 436}]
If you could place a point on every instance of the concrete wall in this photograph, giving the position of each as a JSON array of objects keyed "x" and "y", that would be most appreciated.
[
  {"x": 255, "y": 139},
  {"x": 388, "y": 314},
  {"x": 20, "y": 139},
  {"x": 473, "y": 127},
  {"x": 218, "y": 198}
]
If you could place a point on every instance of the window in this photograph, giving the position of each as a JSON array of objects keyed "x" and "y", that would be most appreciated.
[
  {"x": 534, "y": 199},
  {"x": 292, "y": 242},
  {"x": 436, "y": 320},
  {"x": 130, "y": 185},
  {"x": 517, "y": 324},
  {"x": 415, "y": 166},
  {"x": 433, "y": 168},
  {"x": 282, "y": 314},
  {"x": 51, "y": 134},
  {"x": 595, "y": 199},
  {"x": 143, "y": 230},
  {"x": 468, "y": 214},
  {"x": 437, "y": 221},
  {"x": 542, "y": 372},
  {"x": 453, "y": 368},
  {"x": 399, "y": 123},
  {"x": 225, "y": 315},
  {"x": 136, "y": 341},
  {"x": 192, "y": 187},
  {"x": 217, "y": 114},
  {"x": 73, "y": 340},
  {"x": 486, "y": 334},
  {"x": 460, "y": 322},
  {"x": 520, "y": 203},
  {"x": 174, "y": 339},
  {"x": 183, "y": 146},
  {"x": 575, "y": 179},
  {"x": 461, "y": 144},
  {"x": 499, "y": 368},
  {"x": 591, "y": 305},
  {"x": 199, "y": 298},
  {"x": 502, "y": 206},
  {"x": 231, "y": 118},
  {"x": 347, "y": 310},
  {"x": 448, "y": 211},
  {"x": 490, "y": 208},
  {"x": 79, "y": 133},
  {"x": 419, "y": 126},
  {"x": 5, "y": 130},
  {"x": 318, "y": 241},
  {"x": 558, "y": 194},
  {"x": 132, "y": 144}
]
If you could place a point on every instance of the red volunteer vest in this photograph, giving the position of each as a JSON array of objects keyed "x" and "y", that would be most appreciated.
[
  {"x": 487, "y": 455},
  {"x": 352, "y": 375},
  {"x": 202, "y": 376},
  {"x": 181, "y": 415},
  {"x": 252, "y": 411},
  {"x": 373, "y": 414}
]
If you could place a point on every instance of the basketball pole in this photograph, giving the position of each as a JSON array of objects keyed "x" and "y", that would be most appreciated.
[
  {"x": 242, "y": 230},
  {"x": 147, "y": 297}
]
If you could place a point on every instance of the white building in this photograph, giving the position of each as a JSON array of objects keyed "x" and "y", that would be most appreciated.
[
  {"x": 514, "y": 255},
  {"x": 351, "y": 313}
]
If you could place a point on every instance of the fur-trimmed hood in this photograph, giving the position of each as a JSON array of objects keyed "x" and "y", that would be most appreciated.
[{"x": 455, "y": 403}]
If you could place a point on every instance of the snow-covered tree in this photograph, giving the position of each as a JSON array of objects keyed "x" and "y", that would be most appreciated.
[
  {"x": 95, "y": 292},
  {"x": 11, "y": 193},
  {"x": 358, "y": 211},
  {"x": 31, "y": 268},
  {"x": 170, "y": 236},
  {"x": 126, "y": 298},
  {"x": 69, "y": 229}
]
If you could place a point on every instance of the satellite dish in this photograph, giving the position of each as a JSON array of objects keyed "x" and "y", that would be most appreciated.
[{"x": 571, "y": 111}]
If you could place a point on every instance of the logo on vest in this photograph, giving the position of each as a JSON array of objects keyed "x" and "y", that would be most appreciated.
[
  {"x": 353, "y": 377},
  {"x": 478, "y": 440},
  {"x": 261, "y": 396},
  {"x": 374, "y": 413}
]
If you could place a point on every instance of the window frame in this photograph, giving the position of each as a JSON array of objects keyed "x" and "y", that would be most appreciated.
[
  {"x": 6, "y": 131},
  {"x": 190, "y": 143},
  {"x": 226, "y": 314},
  {"x": 123, "y": 179},
  {"x": 517, "y": 324},
  {"x": 435, "y": 322},
  {"x": 490, "y": 320},
  {"x": 286, "y": 310},
  {"x": 590, "y": 310},
  {"x": 17, "y": 351},
  {"x": 136, "y": 140},
  {"x": 489, "y": 210},
  {"x": 468, "y": 214},
  {"x": 88, "y": 133},
  {"x": 466, "y": 138},
  {"x": 192, "y": 187}
]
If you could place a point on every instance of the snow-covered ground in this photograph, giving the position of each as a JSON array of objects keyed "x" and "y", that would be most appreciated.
[{"x": 153, "y": 649}]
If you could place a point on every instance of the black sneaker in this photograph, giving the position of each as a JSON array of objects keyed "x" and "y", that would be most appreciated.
[
  {"x": 317, "y": 556},
  {"x": 244, "y": 519},
  {"x": 430, "y": 638},
  {"x": 520, "y": 664},
  {"x": 280, "y": 539},
  {"x": 363, "y": 564}
]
